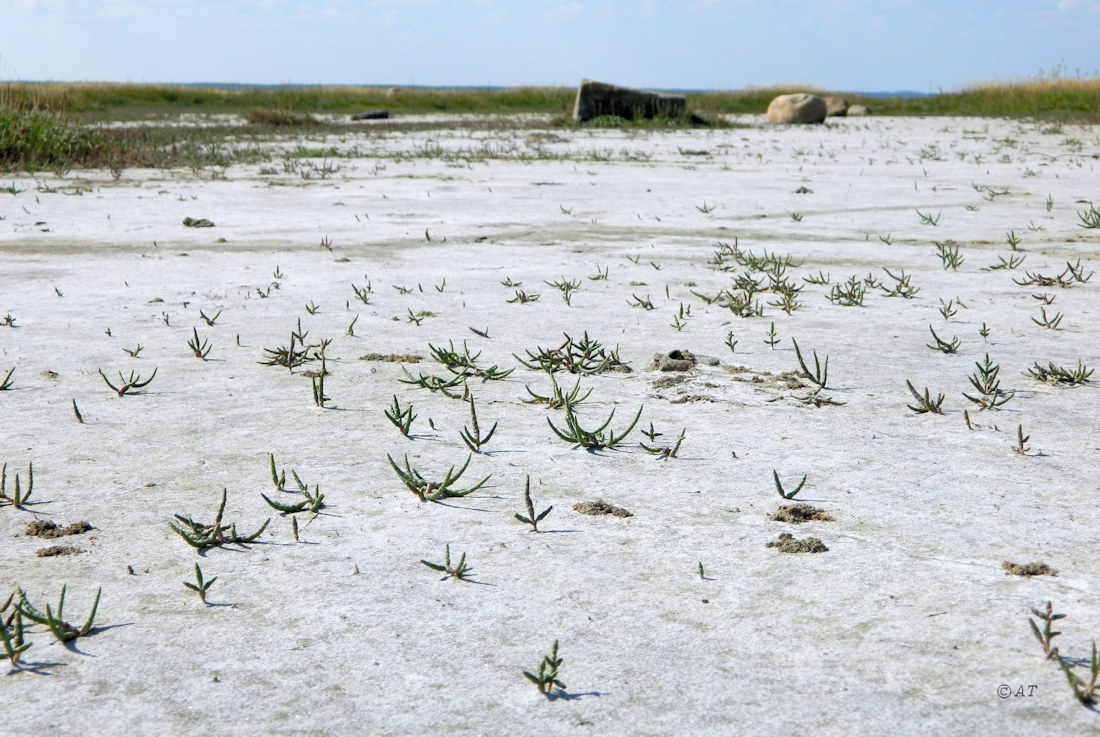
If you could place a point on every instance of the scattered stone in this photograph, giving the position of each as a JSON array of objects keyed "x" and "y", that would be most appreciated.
[
  {"x": 200, "y": 223},
  {"x": 803, "y": 190},
  {"x": 835, "y": 106},
  {"x": 392, "y": 357},
  {"x": 600, "y": 507},
  {"x": 372, "y": 115},
  {"x": 1028, "y": 569},
  {"x": 50, "y": 530},
  {"x": 677, "y": 360},
  {"x": 56, "y": 550},
  {"x": 667, "y": 382},
  {"x": 786, "y": 543},
  {"x": 154, "y": 300},
  {"x": 797, "y": 109},
  {"x": 595, "y": 99},
  {"x": 796, "y": 514},
  {"x": 52, "y": 375},
  {"x": 691, "y": 399},
  {"x": 858, "y": 111}
]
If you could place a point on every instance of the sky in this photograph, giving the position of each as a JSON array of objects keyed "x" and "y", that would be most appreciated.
[{"x": 841, "y": 45}]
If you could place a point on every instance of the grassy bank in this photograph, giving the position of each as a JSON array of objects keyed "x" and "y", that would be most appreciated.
[
  {"x": 1060, "y": 99},
  {"x": 43, "y": 126}
]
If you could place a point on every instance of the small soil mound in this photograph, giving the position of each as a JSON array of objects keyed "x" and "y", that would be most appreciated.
[
  {"x": 392, "y": 357},
  {"x": 51, "y": 530},
  {"x": 1028, "y": 569},
  {"x": 796, "y": 514},
  {"x": 786, "y": 543},
  {"x": 600, "y": 507},
  {"x": 56, "y": 550}
]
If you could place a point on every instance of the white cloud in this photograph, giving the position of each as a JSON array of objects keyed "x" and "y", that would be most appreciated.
[{"x": 568, "y": 10}]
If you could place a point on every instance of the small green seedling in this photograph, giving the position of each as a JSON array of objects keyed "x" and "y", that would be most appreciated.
[
  {"x": 350, "y": 331},
  {"x": 779, "y": 486},
  {"x": 362, "y": 293},
  {"x": 1048, "y": 322},
  {"x": 594, "y": 439},
  {"x": 1012, "y": 262},
  {"x": 531, "y": 518},
  {"x": 820, "y": 374},
  {"x": 985, "y": 381},
  {"x": 6, "y": 384},
  {"x": 1084, "y": 691},
  {"x": 62, "y": 630},
  {"x": 313, "y": 503},
  {"x": 730, "y": 342},
  {"x": 437, "y": 384},
  {"x": 209, "y": 320},
  {"x": 586, "y": 356},
  {"x": 473, "y": 437},
  {"x": 663, "y": 452},
  {"x": 1060, "y": 375},
  {"x": 1046, "y": 635},
  {"x": 1090, "y": 218},
  {"x": 202, "y": 536},
  {"x": 902, "y": 287},
  {"x": 928, "y": 218},
  {"x": 128, "y": 385},
  {"x": 402, "y": 419},
  {"x": 134, "y": 352},
  {"x": 457, "y": 571},
  {"x": 523, "y": 297},
  {"x": 1021, "y": 441},
  {"x": 18, "y": 497},
  {"x": 772, "y": 339},
  {"x": 200, "y": 586},
  {"x": 984, "y": 331},
  {"x": 279, "y": 479},
  {"x": 942, "y": 346},
  {"x": 850, "y": 294},
  {"x": 317, "y": 382},
  {"x": 1013, "y": 240},
  {"x": 429, "y": 491},
  {"x": 13, "y": 641},
  {"x": 547, "y": 677},
  {"x": 925, "y": 403},
  {"x": 679, "y": 320},
  {"x": 949, "y": 256},
  {"x": 558, "y": 398},
  {"x": 198, "y": 346}
]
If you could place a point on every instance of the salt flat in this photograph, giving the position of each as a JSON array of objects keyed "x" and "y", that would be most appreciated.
[{"x": 907, "y": 625}]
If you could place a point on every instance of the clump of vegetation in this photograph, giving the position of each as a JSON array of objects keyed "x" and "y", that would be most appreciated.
[
  {"x": 279, "y": 117},
  {"x": 32, "y": 139},
  {"x": 547, "y": 677}
]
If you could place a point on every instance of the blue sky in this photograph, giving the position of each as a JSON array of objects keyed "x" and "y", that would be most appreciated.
[{"x": 858, "y": 45}]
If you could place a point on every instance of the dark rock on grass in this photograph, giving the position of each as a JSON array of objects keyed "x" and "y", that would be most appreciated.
[
  {"x": 372, "y": 115},
  {"x": 597, "y": 99},
  {"x": 199, "y": 223},
  {"x": 786, "y": 543},
  {"x": 600, "y": 507}
]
